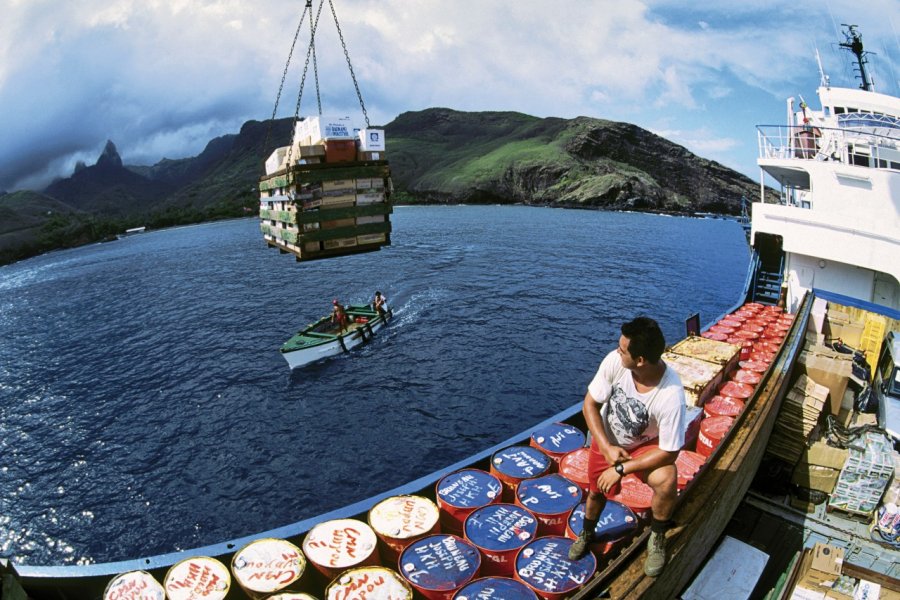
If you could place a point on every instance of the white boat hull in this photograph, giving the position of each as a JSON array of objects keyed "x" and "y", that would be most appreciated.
[{"x": 357, "y": 337}]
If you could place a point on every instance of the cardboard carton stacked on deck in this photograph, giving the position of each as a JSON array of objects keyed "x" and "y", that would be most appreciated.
[
  {"x": 823, "y": 574},
  {"x": 798, "y": 416},
  {"x": 818, "y": 470},
  {"x": 865, "y": 475}
]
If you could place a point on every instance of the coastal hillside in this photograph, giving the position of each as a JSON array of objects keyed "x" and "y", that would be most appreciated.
[{"x": 437, "y": 155}]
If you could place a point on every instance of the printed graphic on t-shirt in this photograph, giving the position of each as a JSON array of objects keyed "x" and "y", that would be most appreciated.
[{"x": 628, "y": 417}]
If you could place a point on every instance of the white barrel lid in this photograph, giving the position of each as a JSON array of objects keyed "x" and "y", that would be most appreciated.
[
  {"x": 339, "y": 543},
  {"x": 403, "y": 517},
  {"x": 268, "y": 565},
  {"x": 369, "y": 583},
  {"x": 292, "y": 596},
  {"x": 134, "y": 585},
  {"x": 196, "y": 578}
]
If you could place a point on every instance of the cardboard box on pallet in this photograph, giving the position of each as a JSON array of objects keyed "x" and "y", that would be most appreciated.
[
  {"x": 831, "y": 371},
  {"x": 340, "y": 151},
  {"x": 865, "y": 475},
  {"x": 312, "y": 130}
]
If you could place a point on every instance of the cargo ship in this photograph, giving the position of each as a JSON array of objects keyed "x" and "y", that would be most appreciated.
[{"x": 760, "y": 380}]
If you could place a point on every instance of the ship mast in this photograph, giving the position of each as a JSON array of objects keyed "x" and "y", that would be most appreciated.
[{"x": 854, "y": 44}]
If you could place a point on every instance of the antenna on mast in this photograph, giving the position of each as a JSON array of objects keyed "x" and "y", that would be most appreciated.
[
  {"x": 854, "y": 45},
  {"x": 824, "y": 80}
]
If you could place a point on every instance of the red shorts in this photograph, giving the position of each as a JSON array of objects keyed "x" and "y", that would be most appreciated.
[{"x": 597, "y": 462}]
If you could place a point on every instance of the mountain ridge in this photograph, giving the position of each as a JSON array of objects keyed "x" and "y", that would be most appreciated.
[{"x": 437, "y": 155}]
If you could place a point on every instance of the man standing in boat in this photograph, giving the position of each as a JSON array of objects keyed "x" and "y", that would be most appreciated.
[
  {"x": 339, "y": 315},
  {"x": 633, "y": 399}
]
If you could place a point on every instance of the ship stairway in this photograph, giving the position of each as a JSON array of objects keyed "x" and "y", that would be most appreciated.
[{"x": 768, "y": 273}]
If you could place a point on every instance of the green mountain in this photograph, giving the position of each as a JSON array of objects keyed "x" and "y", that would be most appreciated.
[{"x": 436, "y": 155}]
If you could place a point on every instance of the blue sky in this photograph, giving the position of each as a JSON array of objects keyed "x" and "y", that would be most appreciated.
[{"x": 162, "y": 78}]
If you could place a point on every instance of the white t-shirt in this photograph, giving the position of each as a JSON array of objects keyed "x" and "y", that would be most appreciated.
[{"x": 632, "y": 418}]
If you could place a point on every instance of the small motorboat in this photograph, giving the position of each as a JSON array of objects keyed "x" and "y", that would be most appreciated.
[{"x": 324, "y": 338}]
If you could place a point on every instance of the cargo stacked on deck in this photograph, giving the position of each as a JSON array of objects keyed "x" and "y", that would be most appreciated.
[{"x": 328, "y": 193}]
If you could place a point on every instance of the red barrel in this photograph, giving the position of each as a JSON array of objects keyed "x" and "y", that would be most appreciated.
[
  {"x": 746, "y": 376},
  {"x": 460, "y": 493},
  {"x": 712, "y": 430},
  {"x": 557, "y": 439},
  {"x": 722, "y": 406},
  {"x": 734, "y": 323},
  {"x": 138, "y": 585},
  {"x": 722, "y": 329},
  {"x": 438, "y": 565},
  {"x": 750, "y": 365},
  {"x": 266, "y": 566},
  {"x": 368, "y": 583},
  {"x": 636, "y": 495},
  {"x": 574, "y": 466},
  {"x": 198, "y": 577},
  {"x": 551, "y": 498},
  {"x": 499, "y": 531},
  {"x": 495, "y": 588},
  {"x": 738, "y": 316},
  {"x": 712, "y": 335},
  {"x": 741, "y": 391},
  {"x": 616, "y": 524},
  {"x": 518, "y": 463},
  {"x": 762, "y": 357},
  {"x": 758, "y": 329},
  {"x": 334, "y": 546},
  {"x": 745, "y": 334},
  {"x": 544, "y": 566},
  {"x": 688, "y": 464},
  {"x": 399, "y": 520},
  {"x": 746, "y": 349}
]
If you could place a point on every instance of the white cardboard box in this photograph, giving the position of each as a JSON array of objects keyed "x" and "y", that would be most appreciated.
[{"x": 371, "y": 140}]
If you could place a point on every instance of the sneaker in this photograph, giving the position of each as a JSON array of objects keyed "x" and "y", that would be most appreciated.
[
  {"x": 656, "y": 554},
  {"x": 580, "y": 546}
]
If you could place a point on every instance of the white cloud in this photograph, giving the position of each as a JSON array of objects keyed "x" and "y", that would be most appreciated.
[{"x": 154, "y": 74}]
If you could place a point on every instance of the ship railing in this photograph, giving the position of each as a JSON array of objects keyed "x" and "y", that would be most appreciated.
[{"x": 863, "y": 147}]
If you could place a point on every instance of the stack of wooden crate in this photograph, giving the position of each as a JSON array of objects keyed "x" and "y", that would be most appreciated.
[{"x": 326, "y": 199}]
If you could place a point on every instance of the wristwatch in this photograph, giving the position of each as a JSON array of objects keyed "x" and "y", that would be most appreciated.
[{"x": 620, "y": 469}]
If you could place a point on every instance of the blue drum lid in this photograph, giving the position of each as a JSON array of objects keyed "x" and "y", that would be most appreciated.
[
  {"x": 501, "y": 527},
  {"x": 439, "y": 562},
  {"x": 469, "y": 488},
  {"x": 521, "y": 462},
  {"x": 616, "y": 521},
  {"x": 558, "y": 438},
  {"x": 549, "y": 495},
  {"x": 495, "y": 588},
  {"x": 544, "y": 565}
]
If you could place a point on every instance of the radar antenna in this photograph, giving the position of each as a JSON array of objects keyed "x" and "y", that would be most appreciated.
[{"x": 855, "y": 45}]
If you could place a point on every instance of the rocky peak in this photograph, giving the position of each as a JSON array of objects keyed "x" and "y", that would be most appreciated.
[{"x": 109, "y": 156}]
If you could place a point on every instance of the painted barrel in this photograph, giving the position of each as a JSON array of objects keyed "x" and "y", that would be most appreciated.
[
  {"x": 369, "y": 583},
  {"x": 616, "y": 524},
  {"x": 692, "y": 417},
  {"x": 495, "y": 588},
  {"x": 574, "y": 466},
  {"x": 746, "y": 349},
  {"x": 636, "y": 495},
  {"x": 688, "y": 464},
  {"x": 198, "y": 578},
  {"x": 763, "y": 357},
  {"x": 460, "y": 493},
  {"x": 499, "y": 531},
  {"x": 557, "y": 439},
  {"x": 134, "y": 585},
  {"x": 438, "y": 565},
  {"x": 518, "y": 463},
  {"x": 399, "y": 520},
  {"x": 746, "y": 376},
  {"x": 750, "y": 365},
  {"x": 334, "y": 546},
  {"x": 753, "y": 327},
  {"x": 544, "y": 566},
  {"x": 724, "y": 329},
  {"x": 712, "y": 430},
  {"x": 295, "y": 596},
  {"x": 745, "y": 334},
  {"x": 712, "y": 335},
  {"x": 551, "y": 498},
  {"x": 720, "y": 406},
  {"x": 733, "y": 389},
  {"x": 729, "y": 322},
  {"x": 266, "y": 566}
]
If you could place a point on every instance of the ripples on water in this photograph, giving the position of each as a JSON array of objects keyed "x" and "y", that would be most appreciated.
[{"x": 144, "y": 407}]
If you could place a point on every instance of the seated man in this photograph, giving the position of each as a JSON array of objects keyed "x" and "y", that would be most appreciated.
[
  {"x": 634, "y": 398},
  {"x": 380, "y": 305}
]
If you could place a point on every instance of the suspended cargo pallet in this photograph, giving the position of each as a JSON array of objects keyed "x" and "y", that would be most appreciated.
[{"x": 324, "y": 210}]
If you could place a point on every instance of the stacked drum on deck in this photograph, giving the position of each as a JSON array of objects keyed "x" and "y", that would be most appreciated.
[{"x": 503, "y": 532}]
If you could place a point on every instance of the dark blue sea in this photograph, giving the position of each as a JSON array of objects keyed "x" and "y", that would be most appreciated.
[{"x": 145, "y": 408}]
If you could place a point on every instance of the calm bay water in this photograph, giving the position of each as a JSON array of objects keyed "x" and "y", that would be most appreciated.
[{"x": 145, "y": 408}]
